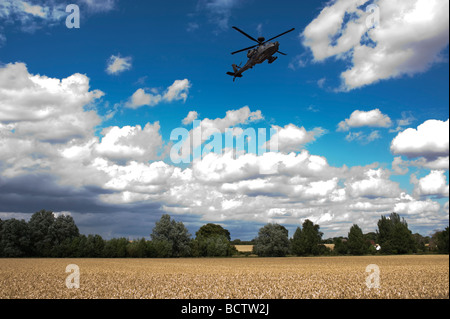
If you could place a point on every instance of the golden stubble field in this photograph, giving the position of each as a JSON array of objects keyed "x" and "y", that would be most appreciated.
[{"x": 227, "y": 278}]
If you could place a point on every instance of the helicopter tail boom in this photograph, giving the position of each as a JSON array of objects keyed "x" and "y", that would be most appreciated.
[{"x": 236, "y": 73}]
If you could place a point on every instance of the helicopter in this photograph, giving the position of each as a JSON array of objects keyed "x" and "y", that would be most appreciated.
[{"x": 258, "y": 53}]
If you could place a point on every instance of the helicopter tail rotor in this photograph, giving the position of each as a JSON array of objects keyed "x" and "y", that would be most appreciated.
[{"x": 236, "y": 73}]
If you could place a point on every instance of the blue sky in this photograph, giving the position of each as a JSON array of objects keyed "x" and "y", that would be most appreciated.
[{"x": 360, "y": 122}]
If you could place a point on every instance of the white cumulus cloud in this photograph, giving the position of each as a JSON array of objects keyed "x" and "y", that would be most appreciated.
[
  {"x": 434, "y": 184},
  {"x": 191, "y": 117},
  {"x": 117, "y": 65},
  {"x": 292, "y": 138},
  {"x": 131, "y": 143},
  {"x": 417, "y": 208},
  {"x": 407, "y": 40},
  {"x": 430, "y": 140},
  {"x": 47, "y": 109},
  {"x": 178, "y": 91},
  {"x": 141, "y": 98},
  {"x": 373, "y": 118}
]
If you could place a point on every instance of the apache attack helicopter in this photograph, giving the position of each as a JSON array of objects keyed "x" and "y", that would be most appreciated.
[{"x": 258, "y": 53}]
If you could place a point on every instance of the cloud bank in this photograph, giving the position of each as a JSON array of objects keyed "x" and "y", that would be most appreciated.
[{"x": 52, "y": 156}]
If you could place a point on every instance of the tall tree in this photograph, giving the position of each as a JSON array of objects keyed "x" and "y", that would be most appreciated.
[
  {"x": 137, "y": 248},
  {"x": 15, "y": 238},
  {"x": 421, "y": 242},
  {"x": 210, "y": 230},
  {"x": 308, "y": 240},
  {"x": 442, "y": 241},
  {"x": 212, "y": 241},
  {"x": 41, "y": 232},
  {"x": 92, "y": 246},
  {"x": 116, "y": 248},
  {"x": 63, "y": 228},
  {"x": 174, "y": 234},
  {"x": 272, "y": 241},
  {"x": 340, "y": 246},
  {"x": 393, "y": 235},
  {"x": 296, "y": 248},
  {"x": 357, "y": 244},
  {"x": 63, "y": 231},
  {"x": 1, "y": 246},
  {"x": 51, "y": 235}
]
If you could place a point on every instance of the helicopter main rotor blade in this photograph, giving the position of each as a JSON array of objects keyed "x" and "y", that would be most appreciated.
[
  {"x": 245, "y": 49},
  {"x": 248, "y": 36},
  {"x": 279, "y": 35}
]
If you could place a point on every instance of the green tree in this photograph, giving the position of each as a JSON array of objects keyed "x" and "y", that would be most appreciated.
[
  {"x": 41, "y": 233},
  {"x": 218, "y": 246},
  {"x": 272, "y": 241},
  {"x": 340, "y": 246},
  {"x": 116, "y": 248},
  {"x": 393, "y": 235},
  {"x": 212, "y": 241},
  {"x": 308, "y": 240},
  {"x": 357, "y": 244},
  {"x": 210, "y": 230},
  {"x": 371, "y": 237},
  {"x": 296, "y": 248},
  {"x": 138, "y": 248},
  {"x": 51, "y": 236},
  {"x": 91, "y": 246},
  {"x": 168, "y": 233},
  {"x": 421, "y": 242},
  {"x": 160, "y": 249},
  {"x": 63, "y": 230},
  {"x": 15, "y": 238},
  {"x": 442, "y": 241},
  {"x": 1, "y": 247}
]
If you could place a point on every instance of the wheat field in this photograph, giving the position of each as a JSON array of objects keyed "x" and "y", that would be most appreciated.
[{"x": 408, "y": 277}]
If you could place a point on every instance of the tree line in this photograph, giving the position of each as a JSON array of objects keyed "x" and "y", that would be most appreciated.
[{"x": 47, "y": 235}]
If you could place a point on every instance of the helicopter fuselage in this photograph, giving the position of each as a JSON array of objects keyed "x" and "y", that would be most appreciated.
[
  {"x": 264, "y": 52},
  {"x": 259, "y": 55}
]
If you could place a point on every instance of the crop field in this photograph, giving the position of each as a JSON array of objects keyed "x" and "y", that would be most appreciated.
[
  {"x": 244, "y": 248},
  {"x": 223, "y": 278}
]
